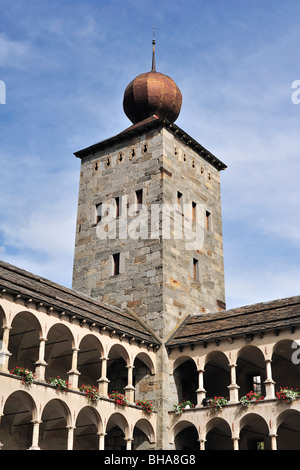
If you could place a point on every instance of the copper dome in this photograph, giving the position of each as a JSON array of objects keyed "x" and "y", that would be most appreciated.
[{"x": 152, "y": 93}]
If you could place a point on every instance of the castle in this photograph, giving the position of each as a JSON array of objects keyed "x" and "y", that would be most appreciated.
[{"x": 141, "y": 353}]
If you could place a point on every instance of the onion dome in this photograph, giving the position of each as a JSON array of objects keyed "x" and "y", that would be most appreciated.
[{"x": 152, "y": 93}]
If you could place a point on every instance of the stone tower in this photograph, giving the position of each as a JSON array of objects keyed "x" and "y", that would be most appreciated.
[{"x": 149, "y": 229}]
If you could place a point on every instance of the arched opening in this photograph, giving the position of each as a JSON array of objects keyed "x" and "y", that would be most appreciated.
[
  {"x": 58, "y": 355},
  {"x": 285, "y": 372},
  {"x": 217, "y": 375},
  {"x": 143, "y": 435},
  {"x": 53, "y": 429},
  {"x": 116, "y": 431},
  {"x": 89, "y": 361},
  {"x": 117, "y": 372},
  {"x": 142, "y": 376},
  {"x": 186, "y": 436},
  {"x": 24, "y": 341},
  {"x": 186, "y": 380},
  {"x": 86, "y": 429},
  {"x": 218, "y": 435},
  {"x": 288, "y": 431},
  {"x": 16, "y": 423},
  {"x": 254, "y": 433},
  {"x": 250, "y": 371}
]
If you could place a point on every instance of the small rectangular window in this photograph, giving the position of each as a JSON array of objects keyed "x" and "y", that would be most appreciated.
[
  {"x": 195, "y": 269},
  {"x": 116, "y": 264},
  {"x": 179, "y": 201},
  {"x": 98, "y": 213},
  {"x": 194, "y": 206},
  {"x": 118, "y": 207},
  {"x": 208, "y": 220},
  {"x": 139, "y": 199}
]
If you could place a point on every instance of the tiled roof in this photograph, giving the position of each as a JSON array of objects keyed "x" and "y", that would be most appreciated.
[
  {"x": 19, "y": 282},
  {"x": 248, "y": 320}
]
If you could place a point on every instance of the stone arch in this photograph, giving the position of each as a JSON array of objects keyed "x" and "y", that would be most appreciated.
[
  {"x": 185, "y": 436},
  {"x": 254, "y": 433},
  {"x": 117, "y": 373},
  {"x": 250, "y": 370},
  {"x": 143, "y": 371},
  {"x": 89, "y": 360},
  {"x": 143, "y": 435},
  {"x": 117, "y": 430},
  {"x": 58, "y": 354},
  {"x": 16, "y": 423},
  {"x": 216, "y": 374},
  {"x": 186, "y": 379},
  {"x": 56, "y": 417},
  {"x": 24, "y": 340},
  {"x": 87, "y": 428},
  {"x": 286, "y": 364},
  {"x": 288, "y": 429},
  {"x": 218, "y": 435}
]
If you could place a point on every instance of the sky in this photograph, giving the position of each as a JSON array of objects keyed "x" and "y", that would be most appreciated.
[{"x": 64, "y": 67}]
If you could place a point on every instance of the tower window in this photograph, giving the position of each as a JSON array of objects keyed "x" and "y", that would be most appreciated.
[
  {"x": 208, "y": 220},
  {"x": 139, "y": 198},
  {"x": 195, "y": 269},
  {"x": 116, "y": 264},
  {"x": 179, "y": 201},
  {"x": 194, "y": 205},
  {"x": 118, "y": 207},
  {"x": 98, "y": 213}
]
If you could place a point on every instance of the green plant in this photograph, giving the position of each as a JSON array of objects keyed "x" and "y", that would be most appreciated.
[
  {"x": 218, "y": 403},
  {"x": 178, "y": 408},
  {"x": 92, "y": 393},
  {"x": 59, "y": 383},
  {"x": 25, "y": 375},
  {"x": 147, "y": 406},
  {"x": 251, "y": 397},
  {"x": 118, "y": 398},
  {"x": 287, "y": 395}
]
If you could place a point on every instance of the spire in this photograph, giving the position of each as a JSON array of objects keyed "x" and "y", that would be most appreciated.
[{"x": 153, "y": 52}]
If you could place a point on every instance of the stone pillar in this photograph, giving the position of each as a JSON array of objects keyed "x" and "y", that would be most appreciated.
[
  {"x": 202, "y": 443},
  {"x": 233, "y": 387},
  {"x": 235, "y": 441},
  {"x": 201, "y": 392},
  {"x": 269, "y": 382},
  {"x": 101, "y": 440},
  {"x": 74, "y": 373},
  {"x": 41, "y": 364},
  {"x": 129, "y": 441},
  {"x": 35, "y": 435},
  {"x": 273, "y": 441},
  {"x": 70, "y": 443},
  {"x": 129, "y": 389},
  {"x": 4, "y": 353},
  {"x": 103, "y": 381}
]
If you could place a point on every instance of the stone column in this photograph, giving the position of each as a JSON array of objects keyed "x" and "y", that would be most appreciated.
[
  {"x": 101, "y": 440},
  {"x": 129, "y": 389},
  {"x": 103, "y": 381},
  {"x": 74, "y": 373},
  {"x": 201, "y": 392},
  {"x": 233, "y": 387},
  {"x": 35, "y": 435},
  {"x": 269, "y": 382},
  {"x": 4, "y": 353},
  {"x": 71, "y": 430},
  {"x": 273, "y": 441},
  {"x": 235, "y": 441},
  {"x": 41, "y": 364},
  {"x": 202, "y": 443},
  {"x": 129, "y": 441}
]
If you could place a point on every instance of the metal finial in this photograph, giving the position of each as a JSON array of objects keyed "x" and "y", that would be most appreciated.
[{"x": 153, "y": 51}]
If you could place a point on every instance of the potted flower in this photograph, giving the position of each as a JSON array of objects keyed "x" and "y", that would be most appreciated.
[
  {"x": 118, "y": 398},
  {"x": 217, "y": 403},
  {"x": 91, "y": 392},
  {"x": 25, "y": 375},
  {"x": 287, "y": 395},
  {"x": 185, "y": 405},
  {"x": 251, "y": 397},
  {"x": 59, "y": 383},
  {"x": 147, "y": 406}
]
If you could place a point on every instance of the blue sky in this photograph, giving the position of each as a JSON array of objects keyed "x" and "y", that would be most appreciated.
[{"x": 66, "y": 65}]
